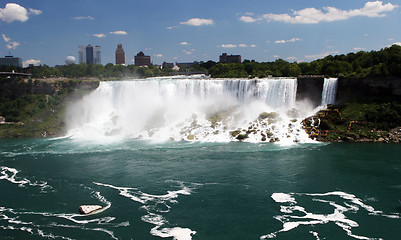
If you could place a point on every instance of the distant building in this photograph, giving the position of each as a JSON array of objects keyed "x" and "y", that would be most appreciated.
[
  {"x": 120, "y": 55},
  {"x": 81, "y": 54},
  {"x": 11, "y": 61},
  {"x": 187, "y": 65},
  {"x": 89, "y": 54},
  {"x": 97, "y": 56},
  {"x": 224, "y": 58},
  {"x": 142, "y": 60},
  {"x": 167, "y": 65}
]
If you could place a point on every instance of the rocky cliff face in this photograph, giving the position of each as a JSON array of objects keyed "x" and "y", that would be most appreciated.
[
  {"x": 310, "y": 88},
  {"x": 14, "y": 88},
  {"x": 371, "y": 89}
]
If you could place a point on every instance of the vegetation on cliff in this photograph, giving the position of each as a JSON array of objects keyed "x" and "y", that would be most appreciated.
[
  {"x": 36, "y": 109},
  {"x": 360, "y": 122}
]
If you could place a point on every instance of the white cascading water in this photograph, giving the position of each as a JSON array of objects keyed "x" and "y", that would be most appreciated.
[
  {"x": 192, "y": 109},
  {"x": 329, "y": 91}
]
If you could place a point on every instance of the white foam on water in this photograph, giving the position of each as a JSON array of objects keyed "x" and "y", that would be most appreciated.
[
  {"x": 13, "y": 217},
  {"x": 283, "y": 197},
  {"x": 296, "y": 215},
  {"x": 176, "y": 233},
  {"x": 10, "y": 174},
  {"x": 315, "y": 234},
  {"x": 155, "y": 205}
]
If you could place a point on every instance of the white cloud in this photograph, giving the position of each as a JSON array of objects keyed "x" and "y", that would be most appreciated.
[
  {"x": 188, "y": 52},
  {"x": 198, "y": 22},
  {"x": 184, "y": 43},
  {"x": 292, "y": 58},
  {"x": 119, "y": 32},
  {"x": 358, "y": 49},
  {"x": 30, "y": 61},
  {"x": 320, "y": 55},
  {"x": 158, "y": 55},
  {"x": 99, "y": 35},
  {"x": 287, "y": 41},
  {"x": 242, "y": 45},
  {"x": 248, "y": 19},
  {"x": 13, "y": 12},
  {"x": 228, "y": 45},
  {"x": 276, "y": 56},
  {"x": 6, "y": 39},
  {"x": 35, "y": 11},
  {"x": 397, "y": 43},
  {"x": 84, "y": 18},
  {"x": 10, "y": 45},
  {"x": 171, "y": 27},
  {"x": 327, "y": 14}
]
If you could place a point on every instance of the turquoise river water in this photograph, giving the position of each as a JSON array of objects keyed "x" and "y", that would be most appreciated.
[{"x": 192, "y": 190}]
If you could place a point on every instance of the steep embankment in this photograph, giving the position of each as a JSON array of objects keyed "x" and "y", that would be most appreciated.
[
  {"x": 366, "y": 110},
  {"x": 36, "y": 108}
]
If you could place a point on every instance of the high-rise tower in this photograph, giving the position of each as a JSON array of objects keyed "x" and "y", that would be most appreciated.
[
  {"x": 97, "y": 58},
  {"x": 81, "y": 54},
  {"x": 89, "y": 54},
  {"x": 120, "y": 55}
]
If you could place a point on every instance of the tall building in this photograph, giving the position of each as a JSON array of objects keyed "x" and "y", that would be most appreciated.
[
  {"x": 142, "y": 60},
  {"x": 81, "y": 54},
  {"x": 11, "y": 61},
  {"x": 97, "y": 58},
  {"x": 120, "y": 55},
  {"x": 89, "y": 54},
  {"x": 224, "y": 58}
]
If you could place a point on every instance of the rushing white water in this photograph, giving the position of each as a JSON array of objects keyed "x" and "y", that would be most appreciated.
[
  {"x": 192, "y": 108},
  {"x": 329, "y": 91}
]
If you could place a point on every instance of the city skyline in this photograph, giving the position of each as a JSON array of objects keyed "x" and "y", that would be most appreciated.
[{"x": 45, "y": 31}]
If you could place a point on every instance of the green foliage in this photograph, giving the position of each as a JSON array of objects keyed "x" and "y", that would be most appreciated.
[
  {"x": 228, "y": 70},
  {"x": 36, "y": 115}
]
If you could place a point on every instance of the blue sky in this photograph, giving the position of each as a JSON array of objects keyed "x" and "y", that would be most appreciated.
[{"x": 46, "y": 31}]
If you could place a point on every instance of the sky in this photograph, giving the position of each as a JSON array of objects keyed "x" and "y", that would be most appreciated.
[{"x": 47, "y": 31}]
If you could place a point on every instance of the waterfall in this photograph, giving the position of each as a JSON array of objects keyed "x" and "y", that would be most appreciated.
[
  {"x": 329, "y": 91},
  {"x": 189, "y": 108}
]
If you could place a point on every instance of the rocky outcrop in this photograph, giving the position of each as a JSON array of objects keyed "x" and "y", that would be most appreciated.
[
  {"x": 310, "y": 88},
  {"x": 370, "y": 89}
]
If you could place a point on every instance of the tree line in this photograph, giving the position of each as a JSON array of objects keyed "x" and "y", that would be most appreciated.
[{"x": 383, "y": 63}]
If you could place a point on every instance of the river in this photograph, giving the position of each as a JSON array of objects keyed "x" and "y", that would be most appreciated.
[{"x": 193, "y": 190}]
